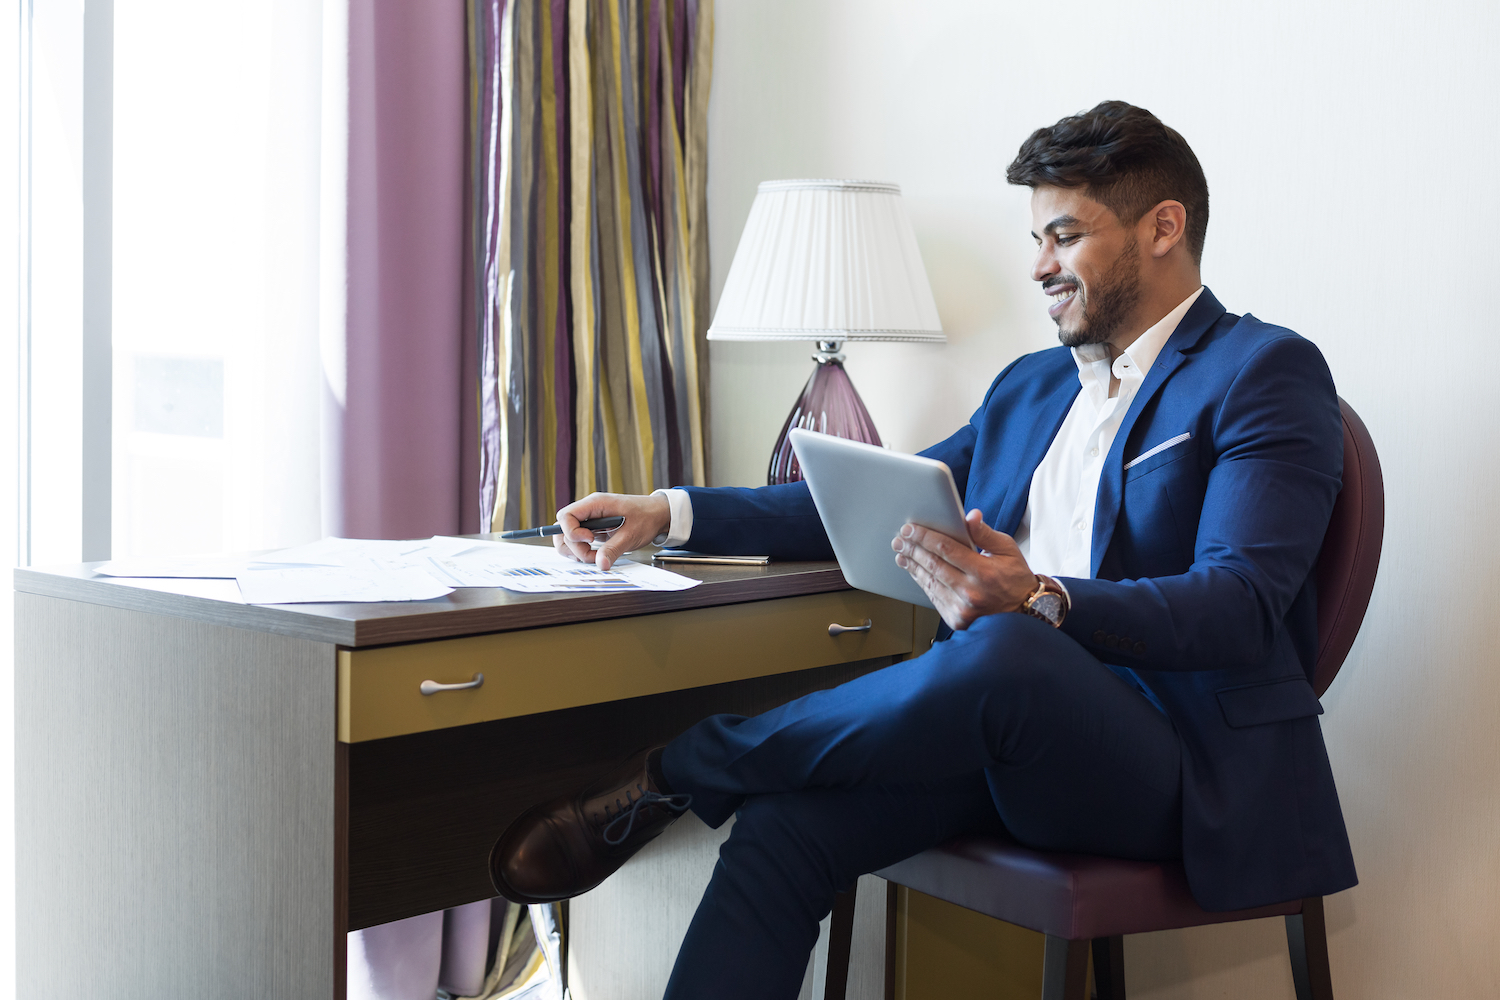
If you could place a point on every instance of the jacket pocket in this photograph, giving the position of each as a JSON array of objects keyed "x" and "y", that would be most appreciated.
[
  {"x": 1272, "y": 701},
  {"x": 1150, "y": 462}
]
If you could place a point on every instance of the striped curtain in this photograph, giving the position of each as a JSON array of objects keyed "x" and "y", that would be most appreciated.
[{"x": 590, "y": 248}]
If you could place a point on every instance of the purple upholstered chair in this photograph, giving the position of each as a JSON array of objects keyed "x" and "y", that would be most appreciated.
[{"x": 1080, "y": 901}]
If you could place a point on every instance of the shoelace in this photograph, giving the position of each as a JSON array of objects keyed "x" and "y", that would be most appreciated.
[{"x": 676, "y": 803}]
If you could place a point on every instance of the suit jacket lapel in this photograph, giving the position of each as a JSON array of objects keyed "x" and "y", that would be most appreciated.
[
  {"x": 1203, "y": 314},
  {"x": 1049, "y": 417}
]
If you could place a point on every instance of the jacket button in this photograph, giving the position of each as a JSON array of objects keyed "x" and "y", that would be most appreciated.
[
  {"x": 1140, "y": 649},
  {"x": 1111, "y": 641},
  {"x": 1099, "y": 637}
]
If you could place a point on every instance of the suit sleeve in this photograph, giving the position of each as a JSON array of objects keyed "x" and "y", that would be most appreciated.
[
  {"x": 782, "y": 521},
  {"x": 1278, "y": 439},
  {"x": 777, "y": 521},
  {"x": 957, "y": 450}
]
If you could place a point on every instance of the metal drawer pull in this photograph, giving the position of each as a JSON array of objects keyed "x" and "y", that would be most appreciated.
[
  {"x": 433, "y": 687},
  {"x": 837, "y": 629}
]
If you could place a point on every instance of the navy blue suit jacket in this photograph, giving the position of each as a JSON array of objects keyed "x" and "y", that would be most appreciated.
[{"x": 1202, "y": 589}]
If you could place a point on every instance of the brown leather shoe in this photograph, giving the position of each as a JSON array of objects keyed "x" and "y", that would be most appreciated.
[{"x": 566, "y": 847}]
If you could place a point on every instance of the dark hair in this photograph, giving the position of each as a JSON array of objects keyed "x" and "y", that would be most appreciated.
[{"x": 1126, "y": 157}]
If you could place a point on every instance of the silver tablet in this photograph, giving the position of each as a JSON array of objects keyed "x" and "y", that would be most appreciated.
[{"x": 864, "y": 495}]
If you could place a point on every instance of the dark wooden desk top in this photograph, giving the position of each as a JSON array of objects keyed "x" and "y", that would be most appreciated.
[{"x": 470, "y": 611}]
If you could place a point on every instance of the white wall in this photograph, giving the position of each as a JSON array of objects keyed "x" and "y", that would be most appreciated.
[{"x": 1351, "y": 154}]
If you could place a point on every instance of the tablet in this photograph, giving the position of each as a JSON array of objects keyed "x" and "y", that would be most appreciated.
[{"x": 864, "y": 495}]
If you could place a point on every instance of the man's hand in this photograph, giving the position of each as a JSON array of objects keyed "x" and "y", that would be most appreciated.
[
  {"x": 645, "y": 518},
  {"x": 963, "y": 584}
]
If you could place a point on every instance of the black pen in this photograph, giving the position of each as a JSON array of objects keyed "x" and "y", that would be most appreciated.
[{"x": 593, "y": 524}]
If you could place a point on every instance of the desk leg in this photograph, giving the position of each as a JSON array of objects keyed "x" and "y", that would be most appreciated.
[
  {"x": 175, "y": 807},
  {"x": 341, "y": 871}
]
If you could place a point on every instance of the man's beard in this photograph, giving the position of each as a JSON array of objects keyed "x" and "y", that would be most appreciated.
[{"x": 1109, "y": 305}]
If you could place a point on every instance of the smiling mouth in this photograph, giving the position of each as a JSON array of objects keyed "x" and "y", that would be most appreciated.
[{"x": 1060, "y": 295}]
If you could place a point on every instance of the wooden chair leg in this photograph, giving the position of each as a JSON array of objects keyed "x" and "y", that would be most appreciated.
[
  {"x": 1065, "y": 969},
  {"x": 1307, "y": 944},
  {"x": 840, "y": 941},
  {"x": 1109, "y": 968}
]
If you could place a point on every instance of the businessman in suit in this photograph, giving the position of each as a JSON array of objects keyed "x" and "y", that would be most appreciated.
[{"x": 1125, "y": 665}]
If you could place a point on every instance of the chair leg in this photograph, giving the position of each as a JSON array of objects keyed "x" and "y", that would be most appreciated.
[
  {"x": 1109, "y": 968},
  {"x": 892, "y": 921},
  {"x": 840, "y": 942},
  {"x": 1307, "y": 944},
  {"x": 1065, "y": 969}
]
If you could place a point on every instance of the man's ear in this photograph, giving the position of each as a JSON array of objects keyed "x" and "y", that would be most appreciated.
[{"x": 1166, "y": 225}]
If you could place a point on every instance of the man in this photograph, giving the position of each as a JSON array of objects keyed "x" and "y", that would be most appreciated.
[{"x": 1125, "y": 668}]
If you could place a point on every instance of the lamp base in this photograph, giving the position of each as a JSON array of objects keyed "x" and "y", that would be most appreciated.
[{"x": 829, "y": 404}]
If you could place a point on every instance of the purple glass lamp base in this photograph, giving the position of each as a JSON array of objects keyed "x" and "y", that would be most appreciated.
[{"x": 830, "y": 404}]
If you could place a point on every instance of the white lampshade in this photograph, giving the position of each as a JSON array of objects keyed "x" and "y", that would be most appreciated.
[{"x": 827, "y": 260}]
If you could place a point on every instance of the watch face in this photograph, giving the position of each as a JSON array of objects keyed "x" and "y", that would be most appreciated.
[{"x": 1049, "y": 606}]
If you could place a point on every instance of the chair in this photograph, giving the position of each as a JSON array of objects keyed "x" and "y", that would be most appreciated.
[{"x": 1083, "y": 902}]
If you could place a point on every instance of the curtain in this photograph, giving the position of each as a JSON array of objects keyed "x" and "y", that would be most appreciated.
[
  {"x": 398, "y": 407},
  {"x": 588, "y": 220}
]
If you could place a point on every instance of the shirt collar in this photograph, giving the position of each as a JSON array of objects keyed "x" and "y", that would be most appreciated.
[{"x": 1137, "y": 359}]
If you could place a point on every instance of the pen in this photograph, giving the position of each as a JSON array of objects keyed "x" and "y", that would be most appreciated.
[{"x": 593, "y": 524}]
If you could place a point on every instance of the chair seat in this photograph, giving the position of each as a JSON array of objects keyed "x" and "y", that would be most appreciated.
[{"x": 1073, "y": 896}]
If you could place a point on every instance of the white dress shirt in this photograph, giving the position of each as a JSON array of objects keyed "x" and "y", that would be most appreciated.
[{"x": 1057, "y": 530}]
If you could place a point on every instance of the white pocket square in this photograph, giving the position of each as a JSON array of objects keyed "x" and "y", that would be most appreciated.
[{"x": 1160, "y": 448}]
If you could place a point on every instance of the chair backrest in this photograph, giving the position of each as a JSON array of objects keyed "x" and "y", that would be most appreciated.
[{"x": 1351, "y": 550}]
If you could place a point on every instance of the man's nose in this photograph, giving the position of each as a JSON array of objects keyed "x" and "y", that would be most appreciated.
[{"x": 1044, "y": 265}]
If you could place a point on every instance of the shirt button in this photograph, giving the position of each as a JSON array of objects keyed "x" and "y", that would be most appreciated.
[{"x": 1095, "y": 452}]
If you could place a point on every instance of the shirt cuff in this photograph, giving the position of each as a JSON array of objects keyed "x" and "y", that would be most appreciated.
[
  {"x": 1066, "y": 594},
  {"x": 681, "y": 528}
]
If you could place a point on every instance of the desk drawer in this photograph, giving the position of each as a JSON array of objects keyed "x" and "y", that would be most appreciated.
[{"x": 544, "y": 669}]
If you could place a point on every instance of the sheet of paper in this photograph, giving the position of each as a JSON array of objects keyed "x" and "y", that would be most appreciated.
[
  {"x": 349, "y": 552},
  {"x": 364, "y": 553},
  {"x": 336, "y": 584},
  {"x": 533, "y": 569},
  {"x": 177, "y": 567},
  {"x": 348, "y": 570},
  {"x": 339, "y": 570},
  {"x": 624, "y": 575},
  {"x": 211, "y": 588}
]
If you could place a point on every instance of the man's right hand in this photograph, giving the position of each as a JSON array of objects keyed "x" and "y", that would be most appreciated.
[{"x": 646, "y": 517}]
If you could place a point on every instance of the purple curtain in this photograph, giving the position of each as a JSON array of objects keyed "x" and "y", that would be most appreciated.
[{"x": 401, "y": 446}]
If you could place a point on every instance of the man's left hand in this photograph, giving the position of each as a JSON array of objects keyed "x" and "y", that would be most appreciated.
[{"x": 963, "y": 584}]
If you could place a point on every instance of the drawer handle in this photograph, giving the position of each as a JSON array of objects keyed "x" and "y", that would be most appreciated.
[
  {"x": 837, "y": 629},
  {"x": 433, "y": 687}
]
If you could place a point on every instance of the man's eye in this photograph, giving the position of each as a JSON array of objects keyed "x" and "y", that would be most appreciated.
[{"x": 1065, "y": 239}]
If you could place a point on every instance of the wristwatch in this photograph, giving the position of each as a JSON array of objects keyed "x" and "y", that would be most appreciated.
[{"x": 1048, "y": 601}]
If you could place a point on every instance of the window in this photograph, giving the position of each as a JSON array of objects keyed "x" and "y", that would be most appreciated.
[
  {"x": 216, "y": 253},
  {"x": 161, "y": 260}
]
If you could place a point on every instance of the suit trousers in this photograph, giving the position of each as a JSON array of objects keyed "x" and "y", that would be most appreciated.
[{"x": 1009, "y": 725}]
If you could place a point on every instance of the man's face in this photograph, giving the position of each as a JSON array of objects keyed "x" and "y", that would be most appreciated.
[{"x": 1088, "y": 264}]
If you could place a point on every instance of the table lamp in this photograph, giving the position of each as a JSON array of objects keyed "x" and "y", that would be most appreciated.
[{"x": 826, "y": 261}]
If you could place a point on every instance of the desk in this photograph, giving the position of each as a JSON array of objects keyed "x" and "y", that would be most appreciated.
[{"x": 210, "y": 795}]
